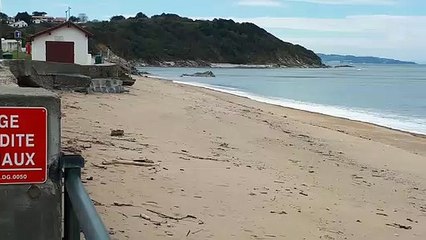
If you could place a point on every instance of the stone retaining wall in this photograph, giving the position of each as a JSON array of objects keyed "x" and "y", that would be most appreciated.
[{"x": 6, "y": 77}]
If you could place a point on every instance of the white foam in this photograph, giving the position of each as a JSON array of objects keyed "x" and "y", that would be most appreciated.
[
  {"x": 158, "y": 77},
  {"x": 229, "y": 65},
  {"x": 413, "y": 125}
]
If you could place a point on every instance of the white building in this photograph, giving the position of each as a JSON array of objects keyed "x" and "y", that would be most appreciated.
[
  {"x": 41, "y": 19},
  {"x": 65, "y": 43},
  {"x": 11, "y": 20},
  {"x": 10, "y": 45},
  {"x": 19, "y": 24}
]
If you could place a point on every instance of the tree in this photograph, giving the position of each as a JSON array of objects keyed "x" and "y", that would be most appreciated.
[
  {"x": 83, "y": 18},
  {"x": 24, "y": 16},
  {"x": 140, "y": 15},
  {"x": 118, "y": 18},
  {"x": 3, "y": 18},
  {"x": 38, "y": 14},
  {"x": 73, "y": 19}
]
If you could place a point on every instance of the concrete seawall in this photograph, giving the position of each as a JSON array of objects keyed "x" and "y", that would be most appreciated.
[{"x": 64, "y": 76}]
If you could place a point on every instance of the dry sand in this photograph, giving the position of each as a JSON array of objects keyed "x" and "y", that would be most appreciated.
[{"x": 233, "y": 168}]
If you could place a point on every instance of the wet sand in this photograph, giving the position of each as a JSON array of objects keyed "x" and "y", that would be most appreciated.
[{"x": 216, "y": 166}]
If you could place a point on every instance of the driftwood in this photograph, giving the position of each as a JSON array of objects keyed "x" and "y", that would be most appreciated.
[
  {"x": 133, "y": 163},
  {"x": 138, "y": 160},
  {"x": 117, "y": 133},
  {"x": 122, "y": 204},
  {"x": 200, "y": 158},
  {"x": 147, "y": 218},
  {"x": 170, "y": 217},
  {"x": 98, "y": 166},
  {"x": 123, "y": 214},
  {"x": 397, "y": 225}
]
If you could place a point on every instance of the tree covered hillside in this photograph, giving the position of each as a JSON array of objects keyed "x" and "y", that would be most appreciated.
[{"x": 168, "y": 37}]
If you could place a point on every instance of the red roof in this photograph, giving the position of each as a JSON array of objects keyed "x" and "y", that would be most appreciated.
[{"x": 65, "y": 24}]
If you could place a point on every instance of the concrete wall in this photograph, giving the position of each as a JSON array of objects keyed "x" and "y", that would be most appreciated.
[
  {"x": 6, "y": 77},
  {"x": 39, "y": 74},
  {"x": 34, "y": 211},
  {"x": 64, "y": 34}
]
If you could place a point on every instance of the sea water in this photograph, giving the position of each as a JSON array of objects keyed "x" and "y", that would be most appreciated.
[{"x": 393, "y": 96}]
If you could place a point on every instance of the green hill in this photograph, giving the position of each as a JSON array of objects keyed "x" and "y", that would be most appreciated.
[
  {"x": 168, "y": 37},
  {"x": 349, "y": 59}
]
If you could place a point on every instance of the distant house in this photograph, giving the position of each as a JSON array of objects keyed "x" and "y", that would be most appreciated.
[
  {"x": 41, "y": 19},
  {"x": 11, "y": 20},
  {"x": 19, "y": 24},
  {"x": 65, "y": 43},
  {"x": 59, "y": 20}
]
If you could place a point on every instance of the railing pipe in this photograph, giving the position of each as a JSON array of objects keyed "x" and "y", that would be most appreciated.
[{"x": 80, "y": 205}]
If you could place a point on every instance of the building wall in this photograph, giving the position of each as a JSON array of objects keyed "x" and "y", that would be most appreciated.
[
  {"x": 64, "y": 34},
  {"x": 19, "y": 24},
  {"x": 10, "y": 45}
]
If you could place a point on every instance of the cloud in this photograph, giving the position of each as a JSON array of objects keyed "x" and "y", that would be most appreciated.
[
  {"x": 382, "y": 35},
  {"x": 350, "y": 2},
  {"x": 358, "y": 23},
  {"x": 266, "y": 3}
]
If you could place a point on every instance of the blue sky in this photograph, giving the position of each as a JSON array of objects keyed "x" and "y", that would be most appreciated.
[{"x": 387, "y": 28}]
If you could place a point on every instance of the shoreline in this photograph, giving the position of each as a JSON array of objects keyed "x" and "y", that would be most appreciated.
[
  {"x": 256, "y": 98},
  {"x": 318, "y": 115},
  {"x": 415, "y": 134}
]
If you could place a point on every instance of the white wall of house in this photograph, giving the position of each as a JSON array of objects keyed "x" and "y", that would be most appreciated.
[
  {"x": 19, "y": 24},
  {"x": 64, "y": 34},
  {"x": 10, "y": 45}
]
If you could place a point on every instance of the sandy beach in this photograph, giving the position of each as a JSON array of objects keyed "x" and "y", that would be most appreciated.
[{"x": 216, "y": 166}]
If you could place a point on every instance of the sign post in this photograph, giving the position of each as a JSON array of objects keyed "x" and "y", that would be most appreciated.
[
  {"x": 30, "y": 172},
  {"x": 18, "y": 37}
]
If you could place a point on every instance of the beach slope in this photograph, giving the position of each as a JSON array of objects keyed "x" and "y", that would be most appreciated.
[{"x": 217, "y": 166}]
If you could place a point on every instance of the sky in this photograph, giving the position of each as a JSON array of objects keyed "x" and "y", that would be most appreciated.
[{"x": 384, "y": 28}]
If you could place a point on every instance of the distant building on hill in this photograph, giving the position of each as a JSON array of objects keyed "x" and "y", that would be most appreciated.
[
  {"x": 59, "y": 20},
  {"x": 42, "y": 19},
  {"x": 64, "y": 43},
  {"x": 19, "y": 24},
  {"x": 11, "y": 20}
]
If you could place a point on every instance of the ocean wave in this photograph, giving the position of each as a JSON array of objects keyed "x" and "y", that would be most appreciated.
[{"x": 408, "y": 124}]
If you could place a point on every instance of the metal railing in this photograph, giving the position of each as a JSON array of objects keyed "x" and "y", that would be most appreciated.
[{"x": 79, "y": 211}]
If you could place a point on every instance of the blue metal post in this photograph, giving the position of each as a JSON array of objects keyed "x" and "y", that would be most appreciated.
[
  {"x": 82, "y": 206},
  {"x": 71, "y": 225}
]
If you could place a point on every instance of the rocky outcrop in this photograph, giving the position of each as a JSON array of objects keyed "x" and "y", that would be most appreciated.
[
  {"x": 344, "y": 66},
  {"x": 103, "y": 85},
  {"x": 200, "y": 74}
]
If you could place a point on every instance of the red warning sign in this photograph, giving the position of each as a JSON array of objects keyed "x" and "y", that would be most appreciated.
[{"x": 23, "y": 145}]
